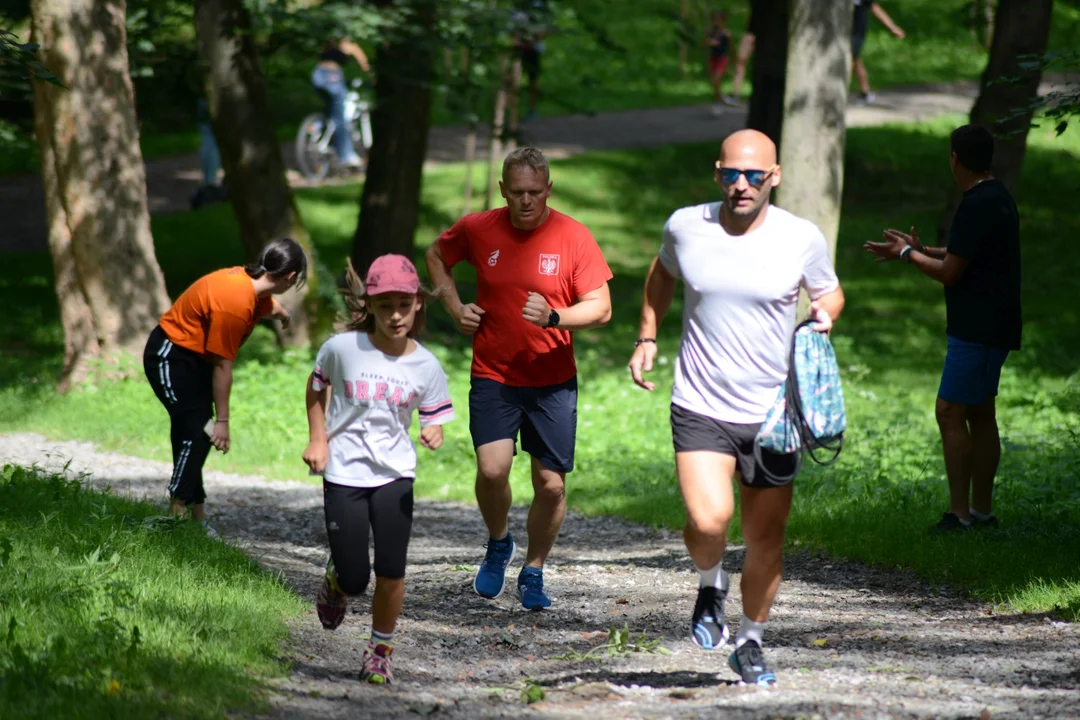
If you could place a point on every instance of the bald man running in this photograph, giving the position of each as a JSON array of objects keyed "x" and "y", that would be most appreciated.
[{"x": 742, "y": 262}]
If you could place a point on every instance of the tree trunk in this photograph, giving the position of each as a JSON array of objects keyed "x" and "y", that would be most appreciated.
[
  {"x": 109, "y": 286},
  {"x": 470, "y": 162},
  {"x": 819, "y": 63},
  {"x": 390, "y": 204},
  {"x": 250, "y": 153},
  {"x": 513, "y": 100},
  {"x": 1021, "y": 27},
  {"x": 495, "y": 143},
  {"x": 766, "y": 112}
]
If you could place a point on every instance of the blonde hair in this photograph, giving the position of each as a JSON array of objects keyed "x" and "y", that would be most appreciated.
[{"x": 358, "y": 315}]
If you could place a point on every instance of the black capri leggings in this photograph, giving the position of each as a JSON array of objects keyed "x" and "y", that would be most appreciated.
[{"x": 350, "y": 511}]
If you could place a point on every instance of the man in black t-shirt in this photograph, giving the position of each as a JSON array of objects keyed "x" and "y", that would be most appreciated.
[{"x": 980, "y": 269}]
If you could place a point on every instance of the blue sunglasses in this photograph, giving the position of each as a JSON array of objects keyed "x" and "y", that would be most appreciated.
[{"x": 730, "y": 176}]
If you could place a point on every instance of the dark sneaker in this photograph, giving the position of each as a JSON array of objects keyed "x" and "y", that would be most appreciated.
[
  {"x": 708, "y": 629},
  {"x": 530, "y": 587},
  {"x": 749, "y": 662},
  {"x": 990, "y": 521},
  {"x": 491, "y": 577},
  {"x": 951, "y": 523}
]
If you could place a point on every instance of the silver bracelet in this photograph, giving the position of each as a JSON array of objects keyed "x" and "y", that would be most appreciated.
[{"x": 905, "y": 254}]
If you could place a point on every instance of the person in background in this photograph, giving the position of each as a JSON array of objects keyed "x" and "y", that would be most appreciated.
[
  {"x": 531, "y": 25},
  {"x": 328, "y": 78},
  {"x": 980, "y": 269},
  {"x": 746, "y": 49},
  {"x": 189, "y": 358},
  {"x": 859, "y": 25},
  {"x": 211, "y": 190},
  {"x": 718, "y": 42}
]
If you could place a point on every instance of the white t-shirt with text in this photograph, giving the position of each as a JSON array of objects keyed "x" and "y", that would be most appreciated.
[
  {"x": 741, "y": 296},
  {"x": 372, "y": 399}
]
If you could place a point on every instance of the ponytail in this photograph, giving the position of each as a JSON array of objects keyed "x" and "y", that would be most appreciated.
[{"x": 278, "y": 259}]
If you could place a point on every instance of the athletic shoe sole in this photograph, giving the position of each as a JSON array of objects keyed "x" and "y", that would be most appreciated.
[{"x": 496, "y": 596}]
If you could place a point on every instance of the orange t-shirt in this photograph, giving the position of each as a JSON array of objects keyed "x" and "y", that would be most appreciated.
[
  {"x": 559, "y": 260},
  {"x": 216, "y": 314}
]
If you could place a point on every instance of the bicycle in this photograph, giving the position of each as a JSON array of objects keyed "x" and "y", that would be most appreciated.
[{"x": 314, "y": 150}]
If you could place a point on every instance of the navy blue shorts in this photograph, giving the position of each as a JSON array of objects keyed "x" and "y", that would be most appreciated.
[
  {"x": 972, "y": 372},
  {"x": 546, "y": 417}
]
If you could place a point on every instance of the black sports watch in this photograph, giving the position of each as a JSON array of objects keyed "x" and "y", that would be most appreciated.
[{"x": 553, "y": 320}]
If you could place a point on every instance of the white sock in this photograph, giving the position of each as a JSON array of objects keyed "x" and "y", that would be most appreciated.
[
  {"x": 750, "y": 630},
  {"x": 713, "y": 577},
  {"x": 979, "y": 515},
  {"x": 379, "y": 637}
]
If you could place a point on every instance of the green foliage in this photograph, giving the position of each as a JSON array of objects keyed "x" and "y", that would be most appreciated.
[
  {"x": 620, "y": 642},
  {"x": 1062, "y": 103},
  {"x": 532, "y": 692},
  {"x": 875, "y": 504},
  {"x": 105, "y": 611},
  {"x": 24, "y": 56}
]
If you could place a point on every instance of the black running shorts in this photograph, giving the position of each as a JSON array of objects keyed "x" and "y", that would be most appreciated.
[{"x": 692, "y": 432}]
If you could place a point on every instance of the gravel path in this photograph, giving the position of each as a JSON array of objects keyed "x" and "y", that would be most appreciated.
[{"x": 847, "y": 641}]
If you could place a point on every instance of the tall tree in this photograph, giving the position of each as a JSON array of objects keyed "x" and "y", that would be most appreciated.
[
  {"x": 1009, "y": 83},
  {"x": 766, "y": 112},
  {"x": 815, "y": 100},
  {"x": 250, "y": 152},
  {"x": 109, "y": 286},
  {"x": 404, "y": 66}
]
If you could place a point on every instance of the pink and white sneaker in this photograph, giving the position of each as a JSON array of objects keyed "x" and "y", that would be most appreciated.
[{"x": 378, "y": 665}]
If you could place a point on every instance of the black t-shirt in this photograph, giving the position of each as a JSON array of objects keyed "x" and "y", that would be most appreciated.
[{"x": 984, "y": 305}]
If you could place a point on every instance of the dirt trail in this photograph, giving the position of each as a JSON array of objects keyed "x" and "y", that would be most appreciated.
[{"x": 847, "y": 641}]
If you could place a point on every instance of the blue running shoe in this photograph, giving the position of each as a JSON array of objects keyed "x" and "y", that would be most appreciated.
[
  {"x": 530, "y": 586},
  {"x": 708, "y": 629},
  {"x": 749, "y": 662},
  {"x": 491, "y": 576}
]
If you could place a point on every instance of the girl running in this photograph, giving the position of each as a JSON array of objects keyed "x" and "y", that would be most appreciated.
[
  {"x": 189, "y": 358},
  {"x": 375, "y": 375}
]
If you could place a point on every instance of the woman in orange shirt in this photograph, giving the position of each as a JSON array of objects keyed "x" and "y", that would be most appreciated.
[{"x": 189, "y": 358}]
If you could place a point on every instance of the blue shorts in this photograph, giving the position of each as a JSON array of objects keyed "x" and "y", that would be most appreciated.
[
  {"x": 972, "y": 372},
  {"x": 546, "y": 417}
]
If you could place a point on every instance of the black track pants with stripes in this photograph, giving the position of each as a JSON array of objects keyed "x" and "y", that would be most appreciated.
[{"x": 182, "y": 382}]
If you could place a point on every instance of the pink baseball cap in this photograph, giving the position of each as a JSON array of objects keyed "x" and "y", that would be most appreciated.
[{"x": 392, "y": 273}]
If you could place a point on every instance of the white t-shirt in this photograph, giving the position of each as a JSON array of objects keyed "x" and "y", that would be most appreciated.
[
  {"x": 741, "y": 296},
  {"x": 372, "y": 399}
]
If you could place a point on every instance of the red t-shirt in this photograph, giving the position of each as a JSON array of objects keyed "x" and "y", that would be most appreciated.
[{"x": 559, "y": 260}]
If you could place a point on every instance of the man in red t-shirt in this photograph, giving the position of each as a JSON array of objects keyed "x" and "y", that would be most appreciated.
[{"x": 540, "y": 275}]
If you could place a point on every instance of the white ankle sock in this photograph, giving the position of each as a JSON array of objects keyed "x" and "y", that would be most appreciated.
[
  {"x": 713, "y": 577},
  {"x": 379, "y": 637},
  {"x": 978, "y": 515},
  {"x": 750, "y": 630}
]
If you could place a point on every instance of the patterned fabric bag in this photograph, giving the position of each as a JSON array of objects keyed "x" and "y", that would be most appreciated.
[{"x": 808, "y": 414}]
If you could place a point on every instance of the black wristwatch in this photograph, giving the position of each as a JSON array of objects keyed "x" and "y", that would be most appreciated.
[{"x": 553, "y": 320}]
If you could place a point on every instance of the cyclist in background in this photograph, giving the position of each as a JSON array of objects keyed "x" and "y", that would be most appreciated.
[{"x": 329, "y": 81}]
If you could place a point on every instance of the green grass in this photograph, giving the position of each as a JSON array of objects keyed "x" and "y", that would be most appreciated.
[
  {"x": 603, "y": 56},
  {"x": 875, "y": 504},
  {"x": 105, "y": 613}
]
